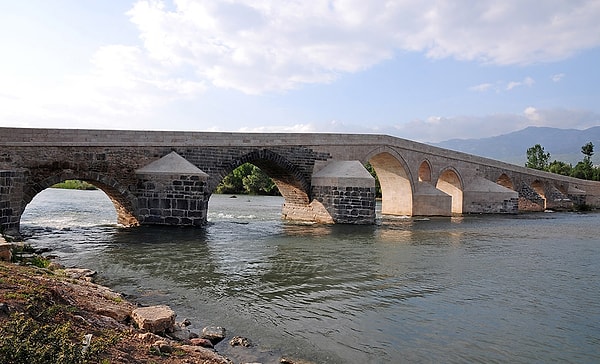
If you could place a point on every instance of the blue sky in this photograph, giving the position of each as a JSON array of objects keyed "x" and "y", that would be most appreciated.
[{"x": 421, "y": 70}]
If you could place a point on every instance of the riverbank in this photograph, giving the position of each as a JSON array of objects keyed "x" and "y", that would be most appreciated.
[{"x": 46, "y": 315}]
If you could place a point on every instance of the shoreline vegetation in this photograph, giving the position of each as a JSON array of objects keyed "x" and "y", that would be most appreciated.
[{"x": 53, "y": 314}]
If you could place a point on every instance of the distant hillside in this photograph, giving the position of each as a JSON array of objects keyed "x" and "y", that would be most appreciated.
[{"x": 562, "y": 144}]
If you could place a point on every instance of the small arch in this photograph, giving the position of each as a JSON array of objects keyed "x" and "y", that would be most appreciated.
[
  {"x": 121, "y": 198},
  {"x": 425, "y": 171},
  {"x": 504, "y": 180},
  {"x": 450, "y": 183},
  {"x": 396, "y": 188},
  {"x": 539, "y": 188}
]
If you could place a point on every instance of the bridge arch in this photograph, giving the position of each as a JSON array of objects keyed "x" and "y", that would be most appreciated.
[
  {"x": 451, "y": 183},
  {"x": 425, "y": 171},
  {"x": 539, "y": 188},
  {"x": 122, "y": 199},
  {"x": 505, "y": 181},
  {"x": 395, "y": 180},
  {"x": 288, "y": 178}
]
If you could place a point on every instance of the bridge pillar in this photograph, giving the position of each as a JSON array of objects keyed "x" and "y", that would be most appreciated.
[
  {"x": 577, "y": 196},
  {"x": 530, "y": 200},
  {"x": 429, "y": 201},
  {"x": 11, "y": 199},
  {"x": 347, "y": 191},
  {"x": 482, "y": 196},
  {"x": 172, "y": 191},
  {"x": 556, "y": 200}
]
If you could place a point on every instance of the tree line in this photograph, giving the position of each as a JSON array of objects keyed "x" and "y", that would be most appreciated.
[
  {"x": 248, "y": 179},
  {"x": 538, "y": 158}
]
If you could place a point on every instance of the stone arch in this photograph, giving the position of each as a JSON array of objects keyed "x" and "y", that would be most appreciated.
[
  {"x": 504, "y": 180},
  {"x": 395, "y": 181},
  {"x": 540, "y": 189},
  {"x": 425, "y": 171},
  {"x": 121, "y": 198},
  {"x": 288, "y": 178},
  {"x": 450, "y": 183}
]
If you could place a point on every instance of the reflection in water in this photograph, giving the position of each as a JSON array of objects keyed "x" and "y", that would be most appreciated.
[{"x": 467, "y": 289}]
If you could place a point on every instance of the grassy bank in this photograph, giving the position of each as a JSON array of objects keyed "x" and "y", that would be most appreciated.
[{"x": 75, "y": 184}]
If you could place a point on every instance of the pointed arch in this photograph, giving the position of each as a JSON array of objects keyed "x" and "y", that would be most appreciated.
[
  {"x": 425, "y": 171},
  {"x": 504, "y": 180},
  {"x": 450, "y": 183},
  {"x": 539, "y": 188}
]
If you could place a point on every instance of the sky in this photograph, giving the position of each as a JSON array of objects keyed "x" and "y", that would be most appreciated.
[{"x": 422, "y": 70}]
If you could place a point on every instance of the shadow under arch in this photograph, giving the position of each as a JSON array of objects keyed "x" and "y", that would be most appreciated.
[
  {"x": 288, "y": 178},
  {"x": 394, "y": 178},
  {"x": 121, "y": 198},
  {"x": 505, "y": 181},
  {"x": 450, "y": 183}
]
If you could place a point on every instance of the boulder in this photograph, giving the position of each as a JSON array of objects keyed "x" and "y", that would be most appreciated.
[
  {"x": 240, "y": 341},
  {"x": 213, "y": 333},
  {"x": 80, "y": 273},
  {"x": 154, "y": 318},
  {"x": 163, "y": 346},
  {"x": 5, "y": 250},
  {"x": 205, "y": 343}
]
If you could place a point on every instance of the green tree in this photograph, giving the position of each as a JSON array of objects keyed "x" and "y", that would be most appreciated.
[
  {"x": 247, "y": 179},
  {"x": 585, "y": 169},
  {"x": 258, "y": 183},
  {"x": 537, "y": 158},
  {"x": 559, "y": 167},
  {"x": 371, "y": 170}
]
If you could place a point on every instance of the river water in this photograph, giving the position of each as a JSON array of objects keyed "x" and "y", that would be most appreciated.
[{"x": 516, "y": 289}]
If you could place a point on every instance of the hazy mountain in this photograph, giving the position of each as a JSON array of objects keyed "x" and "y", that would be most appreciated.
[{"x": 562, "y": 144}]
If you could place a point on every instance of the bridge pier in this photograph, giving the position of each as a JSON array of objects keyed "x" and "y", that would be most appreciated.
[
  {"x": 347, "y": 192},
  {"x": 11, "y": 197},
  {"x": 172, "y": 191},
  {"x": 429, "y": 201},
  {"x": 482, "y": 196}
]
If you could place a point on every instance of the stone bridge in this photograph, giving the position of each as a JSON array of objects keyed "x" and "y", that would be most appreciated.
[{"x": 167, "y": 178}]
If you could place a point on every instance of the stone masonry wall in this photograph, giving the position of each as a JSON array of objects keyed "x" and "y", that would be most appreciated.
[
  {"x": 172, "y": 200},
  {"x": 11, "y": 190},
  {"x": 354, "y": 205}
]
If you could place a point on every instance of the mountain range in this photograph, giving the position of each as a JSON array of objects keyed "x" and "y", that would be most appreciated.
[{"x": 562, "y": 144}]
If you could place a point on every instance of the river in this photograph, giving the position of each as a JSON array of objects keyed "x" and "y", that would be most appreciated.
[{"x": 516, "y": 289}]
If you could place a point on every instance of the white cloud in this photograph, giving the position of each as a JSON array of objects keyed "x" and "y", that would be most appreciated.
[
  {"x": 527, "y": 81},
  {"x": 481, "y": 87},
  {"x": 557, "y": 77},
  {"x": 261, "y": 46}
]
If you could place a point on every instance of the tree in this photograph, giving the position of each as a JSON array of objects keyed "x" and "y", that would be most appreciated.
[
  {"x": 247, "y": 179},
  {"x": 588, "y": 150},
  {"x": 559, "y": 167},
  {"x": 585, "y": 168},
  {"x": 537, "y": 158}
]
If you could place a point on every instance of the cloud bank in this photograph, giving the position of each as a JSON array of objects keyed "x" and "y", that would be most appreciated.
[{"x": 263, "y": 46}]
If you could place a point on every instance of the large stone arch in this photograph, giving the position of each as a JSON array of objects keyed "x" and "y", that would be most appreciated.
[
  {"x": 290, "y": 181},
  {"x": 395, "y": 180},
  {"x": 451, "y": 183},
  {"x": 123, "y": 201}
]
